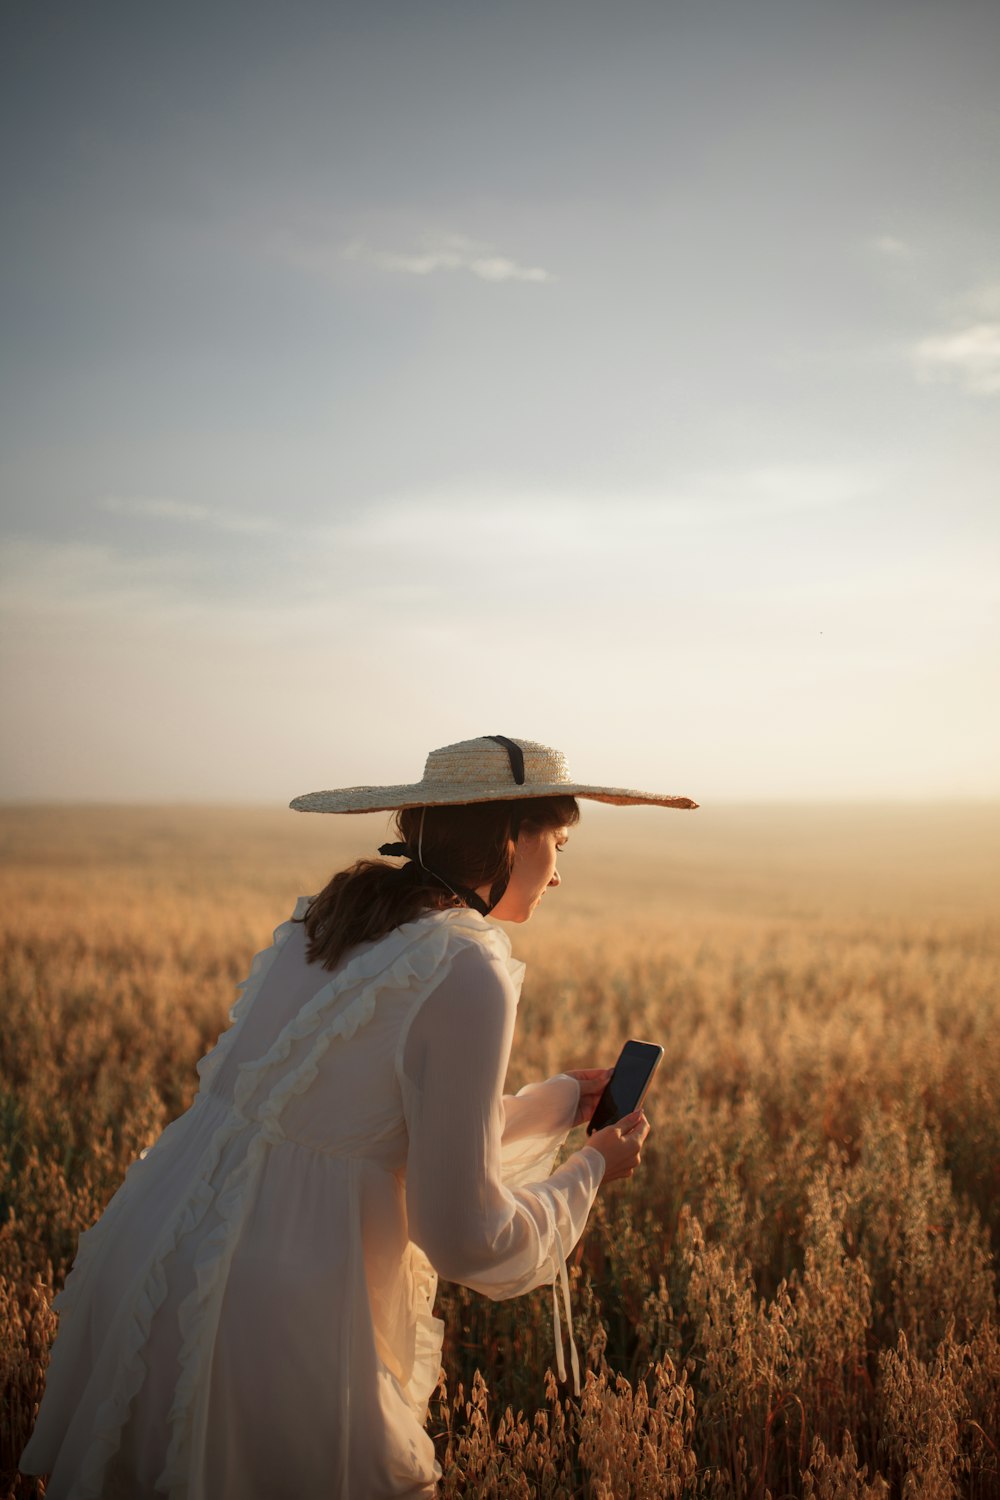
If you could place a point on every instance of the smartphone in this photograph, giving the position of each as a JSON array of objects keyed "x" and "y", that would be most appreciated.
[{"x": 626, "y": 1088}]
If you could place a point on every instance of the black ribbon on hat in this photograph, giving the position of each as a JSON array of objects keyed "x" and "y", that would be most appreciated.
[
  {"x": 516, "y": 757},
  {"x": 514, "y": 754}
]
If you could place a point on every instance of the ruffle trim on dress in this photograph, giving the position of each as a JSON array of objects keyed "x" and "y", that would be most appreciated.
[
  {"x": 198, "y": 1313},
  {"x": 113, "y": 1414},
  {"x": 428, "y": 1337},
  {"x": 429, "y": 946},
  {"x": 91, "y": 1239},
  {"x": 426, "y": 942},
  {"x": 262, "y": 962}
]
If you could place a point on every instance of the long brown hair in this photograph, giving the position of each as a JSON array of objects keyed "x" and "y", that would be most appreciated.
[{"x": 468, "y": 845}]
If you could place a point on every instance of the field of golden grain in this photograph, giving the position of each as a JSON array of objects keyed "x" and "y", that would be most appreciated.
[{"x": 797, "y": 1293}]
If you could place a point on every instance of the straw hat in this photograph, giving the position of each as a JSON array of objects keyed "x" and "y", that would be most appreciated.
[{"x": 491, "y": 768}]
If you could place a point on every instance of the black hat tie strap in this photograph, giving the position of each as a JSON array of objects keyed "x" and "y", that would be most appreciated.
[{"x": 471, "y": 898}]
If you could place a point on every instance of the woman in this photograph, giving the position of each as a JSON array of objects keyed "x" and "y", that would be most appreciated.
[{"x": 252, "y": 1315}]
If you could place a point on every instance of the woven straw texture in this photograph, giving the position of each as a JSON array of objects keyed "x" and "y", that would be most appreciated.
[{"x": 479, "y": 771}]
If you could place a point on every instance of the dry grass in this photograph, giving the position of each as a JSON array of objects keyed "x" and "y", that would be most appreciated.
[{"x": 797, "y": 1294}]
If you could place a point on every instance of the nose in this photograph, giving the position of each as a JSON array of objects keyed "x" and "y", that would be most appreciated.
[{"x": 556, "y": 878}]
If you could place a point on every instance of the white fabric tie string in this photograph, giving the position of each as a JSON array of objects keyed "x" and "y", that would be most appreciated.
[{"x": 562, "y": 1275}]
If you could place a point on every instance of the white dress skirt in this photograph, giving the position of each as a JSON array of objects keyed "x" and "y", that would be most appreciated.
[{"x": 252, "y": 1316}]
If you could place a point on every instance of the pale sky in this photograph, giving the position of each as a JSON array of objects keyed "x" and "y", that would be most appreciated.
[{"x": 624, "y": 377}]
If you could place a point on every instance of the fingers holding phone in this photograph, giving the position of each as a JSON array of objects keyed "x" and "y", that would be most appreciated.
[
  {"x": 618, "y": 1126},
  {"x": 593, "y": 1082},
  {"x": 621, "y": 1145},
  {"x": 626, "y": 1088}
]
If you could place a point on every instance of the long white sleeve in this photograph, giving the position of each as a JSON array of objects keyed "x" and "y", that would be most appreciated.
[
  {"x": 474, "y": 1229},
  {"x": 537, "y": 1120}
]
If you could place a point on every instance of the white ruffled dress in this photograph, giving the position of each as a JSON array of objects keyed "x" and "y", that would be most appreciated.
[{"x": 252, "y": 1316}]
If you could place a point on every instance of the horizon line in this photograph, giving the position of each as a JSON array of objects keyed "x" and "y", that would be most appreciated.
[{"x": 204, "y": 804}]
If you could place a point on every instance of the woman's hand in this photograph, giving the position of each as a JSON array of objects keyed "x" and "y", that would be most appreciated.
[
  {"x": 591, "y": 1081},
  {"x": 621, "y": 1145}
]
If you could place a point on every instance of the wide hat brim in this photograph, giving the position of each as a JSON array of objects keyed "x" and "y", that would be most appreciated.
[
  {"x": 359, "y": 799},
  {"x": 479, "y": 771}
]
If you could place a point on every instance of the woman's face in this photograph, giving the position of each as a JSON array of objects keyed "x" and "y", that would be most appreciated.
[{"x": 535, "y": 855}]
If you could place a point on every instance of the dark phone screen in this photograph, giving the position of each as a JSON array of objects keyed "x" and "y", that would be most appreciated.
[{"x": 626, "y": 1084}]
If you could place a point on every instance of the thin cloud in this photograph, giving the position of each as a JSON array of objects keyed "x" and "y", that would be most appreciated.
[
  {"x": 82, "y": 578},
  {"x": 891, "y": 247},
  {"x": 184, "y": 513},
  {"x": 94, "y": 585},
  {"x": 970, "y": 357},
  {"x": 496, "y": 518},
  {"x": 986, "y": 300},
  {"x": 454, "y": 253},
  {"x": 797, "y": 487}
]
